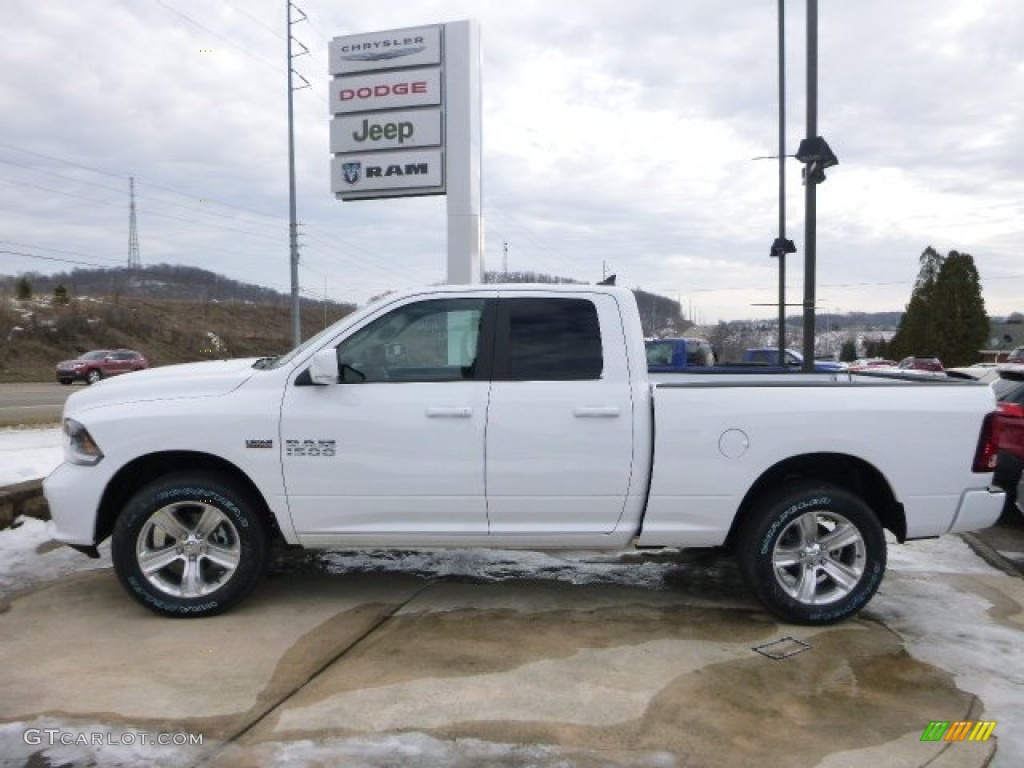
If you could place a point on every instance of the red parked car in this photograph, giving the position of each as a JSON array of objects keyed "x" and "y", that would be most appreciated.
[
  {"x": 1009, "y": 389},
  {"x": 100, "y": 363},
  {"x": 921, "y": 364}
]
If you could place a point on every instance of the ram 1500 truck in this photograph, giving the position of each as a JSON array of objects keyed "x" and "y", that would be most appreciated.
[{"x": 513, "y": 417}]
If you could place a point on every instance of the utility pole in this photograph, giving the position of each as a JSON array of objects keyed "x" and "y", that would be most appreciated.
[
  {"x": 504, "y": 262},
  {"x": 293, "y": 228},
  {"x": 133, "y": 230}
]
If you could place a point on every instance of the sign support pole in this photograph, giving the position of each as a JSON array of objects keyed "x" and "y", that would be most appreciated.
[{"x": 463, "y": 155}]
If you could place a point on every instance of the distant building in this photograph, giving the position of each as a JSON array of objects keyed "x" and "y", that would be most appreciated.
[{"x": 1004, "y": 335}]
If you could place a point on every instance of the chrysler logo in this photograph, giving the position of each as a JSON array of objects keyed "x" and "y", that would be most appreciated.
[{"x": 382, "y": 55}]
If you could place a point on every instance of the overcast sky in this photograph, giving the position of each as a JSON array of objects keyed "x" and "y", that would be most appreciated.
[{"x": 614, "y": 133}]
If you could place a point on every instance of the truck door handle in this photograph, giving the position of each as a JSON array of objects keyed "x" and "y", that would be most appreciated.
[
  {"x": 449, "y": 413},
  {"x": 598, "y": 412}
]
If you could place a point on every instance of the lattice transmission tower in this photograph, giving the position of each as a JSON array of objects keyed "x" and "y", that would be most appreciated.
[{"x": 133, "y": 229}]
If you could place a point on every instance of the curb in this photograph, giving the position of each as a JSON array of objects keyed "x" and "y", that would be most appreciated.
[
  {"x": 22, "y": 499},
  {"x": 991, "y": 555}
]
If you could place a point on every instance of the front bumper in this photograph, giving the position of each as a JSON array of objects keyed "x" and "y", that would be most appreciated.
[{"x": 73, "y": 493}]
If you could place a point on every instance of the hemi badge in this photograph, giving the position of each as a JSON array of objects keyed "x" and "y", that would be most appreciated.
[{"x": 259, "y": 443}]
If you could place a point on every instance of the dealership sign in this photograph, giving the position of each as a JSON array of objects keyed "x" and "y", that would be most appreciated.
[
  {"x": 414, "y": 170},
  {"x": 405, "y": 110},
  {"x": 388, "y": 114},
  {"x": 390, "y": 130},
  {"x": 386, "y": 90},
  {"x": 396, "y": 48}
]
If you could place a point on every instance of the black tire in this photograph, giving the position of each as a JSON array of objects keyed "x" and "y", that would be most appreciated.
[
  {"x": 205, "y": 541},
  {"x": 782, "y": 560},
  {"x": 65, "y": 382},
  {"x": 93, "y": 376}
]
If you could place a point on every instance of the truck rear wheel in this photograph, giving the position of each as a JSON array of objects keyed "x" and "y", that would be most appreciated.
[
  {"x": 812, "y": 553},
  {"x": 189, "y": 544}
]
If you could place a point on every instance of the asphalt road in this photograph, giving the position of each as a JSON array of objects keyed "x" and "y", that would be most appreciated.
[{"x": 39, "y": 403}]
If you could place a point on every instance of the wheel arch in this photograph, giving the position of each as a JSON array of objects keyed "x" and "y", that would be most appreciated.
[
  {"x": 138, "y": 472},
  {"x": 850, "y": 472}
]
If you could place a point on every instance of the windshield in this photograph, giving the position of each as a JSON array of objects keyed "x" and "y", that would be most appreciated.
[
  {"x": 98, "y": 354},
  {"x": 287, "y": 357}
]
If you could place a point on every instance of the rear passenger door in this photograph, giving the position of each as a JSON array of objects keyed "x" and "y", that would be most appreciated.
[{"x": 560, "y": 419}]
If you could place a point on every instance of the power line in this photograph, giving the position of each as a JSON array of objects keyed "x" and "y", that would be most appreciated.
[
  {"x": 254, "y": 20},
  {"x": 59, "y": 250},
  {"x": 55, "y": 258},
  {"x": 219, "y": 36},
  {"x": 141, "y": 182},
  {"x": 61, "y": 160}
]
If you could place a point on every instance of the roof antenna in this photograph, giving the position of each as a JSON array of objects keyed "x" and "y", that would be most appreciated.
[{"x": 610, "y": 280}]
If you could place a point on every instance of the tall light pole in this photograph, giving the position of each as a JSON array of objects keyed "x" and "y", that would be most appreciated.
[
  {"x": 810, "y": 197},
  {"x": 782, "y": 246},
  {"x": 816, "y": 155},
  {"x": 293, "y": 227}
]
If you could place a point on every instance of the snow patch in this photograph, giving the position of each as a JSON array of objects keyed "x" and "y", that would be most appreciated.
[{"x": 29, "y": 454}]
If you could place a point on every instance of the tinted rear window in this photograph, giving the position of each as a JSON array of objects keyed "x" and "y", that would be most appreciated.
[{"x": 549, "y": 340}]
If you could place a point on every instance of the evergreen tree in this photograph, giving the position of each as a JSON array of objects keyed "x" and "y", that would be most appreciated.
[
  {"x": 946, "y": 315},
  {"x": 961, "y": 320},
  {"x": 877, "y": 348},
  {"x": 24, "y": 289},
  {"x": 848, "y": 352},
  {"x": 917, "y": 333}
]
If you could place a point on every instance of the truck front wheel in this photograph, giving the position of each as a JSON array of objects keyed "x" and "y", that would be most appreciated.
[
  {"x": 189, "y": 544},
  {"x": 812, "y": 553}
]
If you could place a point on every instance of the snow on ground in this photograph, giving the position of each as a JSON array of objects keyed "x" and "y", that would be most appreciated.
[
  {"x": 28, "y": 454},
  {"x": 953, "y": 629},
  {"x": 29, "y": 557}
]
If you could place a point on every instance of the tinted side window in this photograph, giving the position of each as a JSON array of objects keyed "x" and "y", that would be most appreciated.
[
  {"x": 548, "y": 340},
  {"x": 436, "y": 340},
  {"x": 659, "y": 353}
]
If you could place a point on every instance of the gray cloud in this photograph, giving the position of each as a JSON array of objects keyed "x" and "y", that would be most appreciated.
[{"x": 617, "y": 133}]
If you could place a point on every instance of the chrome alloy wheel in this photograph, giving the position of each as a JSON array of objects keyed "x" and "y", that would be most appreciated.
[
  {"x": 188, "y": 549},
  {"x": 819, "y": 558}
]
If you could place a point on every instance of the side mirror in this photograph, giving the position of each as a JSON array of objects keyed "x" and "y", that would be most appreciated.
[{"x": 324, "y": 367}]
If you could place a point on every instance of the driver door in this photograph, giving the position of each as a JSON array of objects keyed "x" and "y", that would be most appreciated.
[{"x": 395, "y": 450}]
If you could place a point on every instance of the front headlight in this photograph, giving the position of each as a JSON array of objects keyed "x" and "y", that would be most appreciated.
[{"x": 79, "y": 447}]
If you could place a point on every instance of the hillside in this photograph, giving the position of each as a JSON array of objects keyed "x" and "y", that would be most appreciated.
[
  {"x": 166, "y": 312},
  {"x": 161, "y": 281},
  {"x": 37, "y": 333}
]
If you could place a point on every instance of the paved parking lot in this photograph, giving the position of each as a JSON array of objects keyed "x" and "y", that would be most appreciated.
[{"x": 466, "y": 659}]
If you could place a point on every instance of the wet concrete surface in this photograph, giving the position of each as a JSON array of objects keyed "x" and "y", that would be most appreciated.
[{"x": 422, "y": 660}]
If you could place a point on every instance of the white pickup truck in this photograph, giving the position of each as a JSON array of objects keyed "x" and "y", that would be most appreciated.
[{"x": 513, "y": 417}]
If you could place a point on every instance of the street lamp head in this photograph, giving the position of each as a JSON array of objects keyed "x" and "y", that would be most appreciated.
[
  {"x": 817, "y": 151},
  {"x": 816, "y": 155},
  {"x": 781, "y": 247}
]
